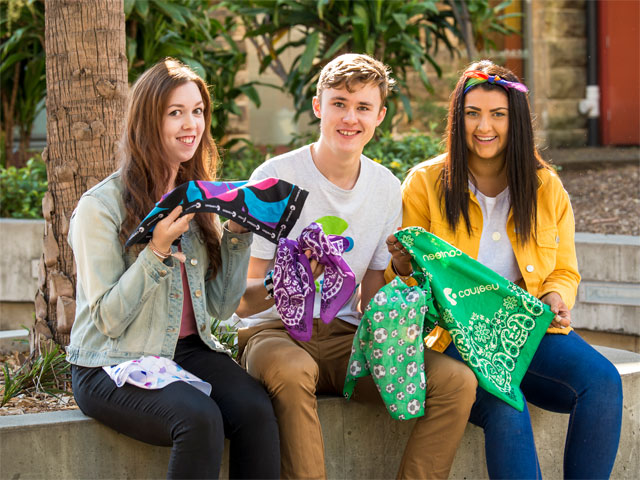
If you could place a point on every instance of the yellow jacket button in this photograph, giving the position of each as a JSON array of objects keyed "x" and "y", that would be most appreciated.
[{"x": 530, "y": 268}]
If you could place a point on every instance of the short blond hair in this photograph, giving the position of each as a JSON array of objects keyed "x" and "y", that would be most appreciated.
[{"x": 352, "y": 70}]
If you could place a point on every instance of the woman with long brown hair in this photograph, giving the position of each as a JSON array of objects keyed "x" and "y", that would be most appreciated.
[
  {"x": 494, "y": 198},
  {"x": 142, "y": 306}
]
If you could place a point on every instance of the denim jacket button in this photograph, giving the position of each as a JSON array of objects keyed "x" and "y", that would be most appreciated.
[
  {"x": 198, "y": 293},
  {"x": 202, "y": 327},
  {"x": 234, "y": 240},
  {"x": 163, "y": 273},
  {"x": 194, "y": 261}
]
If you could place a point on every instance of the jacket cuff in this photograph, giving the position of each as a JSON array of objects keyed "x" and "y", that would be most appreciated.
[
  {"x": 235, "y": 241},
  {"x": 157, "y": 269}
]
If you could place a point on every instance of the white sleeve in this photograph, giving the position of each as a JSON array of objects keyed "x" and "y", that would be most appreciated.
[
  {"x": 261, "y": 247},
  {"x": 381, "y": 257}
]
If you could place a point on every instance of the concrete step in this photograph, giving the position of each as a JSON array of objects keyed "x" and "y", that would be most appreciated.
[
  {"x": 361, "y": 441},
  {"x": 14, "y": 340},
  {"x": 609, "y": 293}
]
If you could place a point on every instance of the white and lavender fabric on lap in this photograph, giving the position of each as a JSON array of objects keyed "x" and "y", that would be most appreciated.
[
  {"x": 294, "y": 285},
  {"x": 152, "y": 373}
]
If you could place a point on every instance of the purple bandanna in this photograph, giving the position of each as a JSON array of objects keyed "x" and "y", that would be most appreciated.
[{"x": 294, "y": 285}]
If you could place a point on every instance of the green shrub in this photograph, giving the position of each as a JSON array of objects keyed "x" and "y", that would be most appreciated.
[
  {"x": 238, "y": 164},
  {"x": 399, "y": 155},
  {"x": 22, "y": 189},
  {"x": 48, "y": 373},
  {"x": 227, "y": 334}
]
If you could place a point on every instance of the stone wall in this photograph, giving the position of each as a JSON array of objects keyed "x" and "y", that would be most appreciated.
[{"x": 558, "y": 53}]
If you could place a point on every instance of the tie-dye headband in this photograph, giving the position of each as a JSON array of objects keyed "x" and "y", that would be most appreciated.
[{"x": 476, "y": 77}]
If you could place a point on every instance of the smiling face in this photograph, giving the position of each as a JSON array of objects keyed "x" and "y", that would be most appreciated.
[
  {"x": 183, "y": 124},
  {"x": 486, "y": 123},
  {"x": 348, "y": 119}
]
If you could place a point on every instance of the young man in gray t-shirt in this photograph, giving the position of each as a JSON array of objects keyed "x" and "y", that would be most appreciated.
[{"x": 352, "y": 196}]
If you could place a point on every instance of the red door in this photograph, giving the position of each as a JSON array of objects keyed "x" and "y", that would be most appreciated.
[{"x": 619, "y": 71}]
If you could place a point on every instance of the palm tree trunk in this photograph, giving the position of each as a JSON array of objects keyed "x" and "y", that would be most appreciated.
[{"x": 86, "y": 72}]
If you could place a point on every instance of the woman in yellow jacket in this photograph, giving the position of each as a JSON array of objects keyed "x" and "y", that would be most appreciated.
[{"x": 494, "y": 198}]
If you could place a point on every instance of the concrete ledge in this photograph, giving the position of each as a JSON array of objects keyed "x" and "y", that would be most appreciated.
[
  {"x": 361, "y": 441},
  {"x": 588, "y": 156}
]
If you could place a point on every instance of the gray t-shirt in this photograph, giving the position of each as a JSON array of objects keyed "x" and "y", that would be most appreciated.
[{"x": 366, "y": 215}]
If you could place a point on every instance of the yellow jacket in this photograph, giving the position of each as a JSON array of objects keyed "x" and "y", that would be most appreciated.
[{"x": 548, "y": 262}]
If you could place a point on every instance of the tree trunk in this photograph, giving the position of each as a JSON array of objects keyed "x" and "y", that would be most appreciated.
[{"x": 87, "y": 87}]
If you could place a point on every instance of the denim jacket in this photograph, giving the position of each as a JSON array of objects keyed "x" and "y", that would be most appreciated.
[{"x": 128, "y": 306}]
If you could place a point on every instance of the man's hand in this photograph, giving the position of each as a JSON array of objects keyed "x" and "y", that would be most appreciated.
[{"x": 316, "y": 268}]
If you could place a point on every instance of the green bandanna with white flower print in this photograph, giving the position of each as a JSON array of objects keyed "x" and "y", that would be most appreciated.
[
  {"x": 389, "y": 345},
  {"x": 495, "y": 325}
]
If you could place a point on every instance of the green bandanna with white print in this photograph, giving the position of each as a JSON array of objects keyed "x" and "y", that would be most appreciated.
[
  {"x": 389, "y": 345},
  {"x": 495, "y": 325}
]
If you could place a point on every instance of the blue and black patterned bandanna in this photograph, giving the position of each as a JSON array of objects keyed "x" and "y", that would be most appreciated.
[{"x": 269, "y": 207}]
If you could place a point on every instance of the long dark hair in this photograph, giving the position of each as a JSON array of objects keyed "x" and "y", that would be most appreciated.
[
  {"x": 521, "y": 156},
  {"x": 145, "y": 173}
]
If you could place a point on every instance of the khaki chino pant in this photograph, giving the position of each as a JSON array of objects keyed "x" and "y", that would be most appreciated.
[{"x": 295, "y": 372}]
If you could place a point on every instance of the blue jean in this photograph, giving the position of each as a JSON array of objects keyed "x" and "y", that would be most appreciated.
[{"x": 566, "y": 375}]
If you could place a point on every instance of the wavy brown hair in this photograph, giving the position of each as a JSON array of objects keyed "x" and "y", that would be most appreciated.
[
  {"x": 145, "y": 172},
  {"x": 521, "y": 156},
  {"x": 352, "y": 70}
]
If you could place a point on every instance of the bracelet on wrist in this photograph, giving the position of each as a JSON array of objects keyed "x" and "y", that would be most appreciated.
[
  {"x": 268, "y": 285},
  {"x": 157, "y": 252},
  {"x": 393, "y": 268}
]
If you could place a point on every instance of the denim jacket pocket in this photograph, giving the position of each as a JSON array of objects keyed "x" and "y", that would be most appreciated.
[{"x": 140, "y": 335}]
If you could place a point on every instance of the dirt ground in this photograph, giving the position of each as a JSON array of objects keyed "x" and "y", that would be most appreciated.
[{"x": 605, "y": 199}]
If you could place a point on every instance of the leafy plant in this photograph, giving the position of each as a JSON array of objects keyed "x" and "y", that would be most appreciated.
[
  {"x": 227, "y": 334},
  {"x": 188, "y": 31},
  {"x": 238, "y": 164},
  {"x": 399, "y": 155},
  {"x": 22, "y": 189},
  {"x": 404, "y": 34},
  {"x": 488, "y": 19},
  {"x": 22, "y": 74},
  {"x": 48, "y": 373}
]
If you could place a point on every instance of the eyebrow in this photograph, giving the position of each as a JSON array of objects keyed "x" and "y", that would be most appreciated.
[
  {"x": 492, "y": 110},
  {"x": 344, "y": 99},
  {"x": 182, "y": 106}
]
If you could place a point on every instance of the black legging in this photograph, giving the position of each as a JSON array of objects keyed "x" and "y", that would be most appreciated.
[{"x": 193, "y": 424}]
